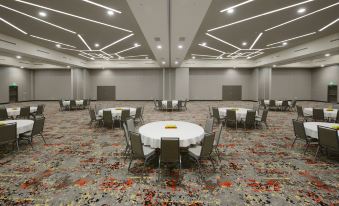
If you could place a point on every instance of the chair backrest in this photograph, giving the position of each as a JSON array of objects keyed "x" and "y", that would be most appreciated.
[
  {"x": 209, "y": 125},
  {"x": 138, "y": 112},
  {"x": 25, "y": 112},
  {"x": 72, "y": 103},
  {"x": 293, "y": 103},
  {"x": 300, "y": 111},
  {"x": 40, "y": 109},
  {"x": 262, "y": 102},
  {"x": 97, "y": 107},
  {"x": 284, "y": 103},
  {"x": 126, "y": 134},
  {"x": 61, "y": 104},
  {"x": 38, "y": 126},
  {"x": 8, "y": 133},
  {"x": 130, "y": 125},
  {"x": 185, "y": 102},
  {"x": 207, "y": 145},
  {"x": 155, "y": 102},
  {"x": 92, "y": 114},
  {"x": 264, "y": 115},
  {"x": 217, "y": 136},
  {"x": 215, "y": 112},
  {"x": 318, "y": 114},
  {"x": 85, "y": 103},
  {"x": 299, "y": 129},
  {"x": 337, "y": 120},
  {"x": 136, "y": 145},
  {"x": 250, "y": 118},
  {"x": 125, "y": 114},
  {"x": 159, "y": 103},
  {"x": 328, "y": 138},
  {"x": 231, "y": 115},
  {"x": 3, "y": 113},
  {"x": 272, "y": 103},
  {"x": 169, "y": 105},
  {"x": 170, "y": 150},
  {"x": 179, "y": 104},
  {"x": 107, "y": 117}
]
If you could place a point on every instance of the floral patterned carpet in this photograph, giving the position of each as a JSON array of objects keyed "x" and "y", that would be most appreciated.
[{"x": 80, "y": 165}]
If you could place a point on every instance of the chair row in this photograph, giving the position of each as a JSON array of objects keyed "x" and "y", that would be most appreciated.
[
  {"x": 73, "y": 105},
  {"x": 179, "y": 105},
  {"x": 283, "y": 105},
  {"x": 318, "y": 115},
  {"x": 25, "y": 113}
]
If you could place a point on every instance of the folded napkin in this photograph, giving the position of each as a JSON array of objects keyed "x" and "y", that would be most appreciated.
[
  {"x": 170, "y": 126},
  {"x": 118, "y": 108},
  {"x": 335, "y": 127}
]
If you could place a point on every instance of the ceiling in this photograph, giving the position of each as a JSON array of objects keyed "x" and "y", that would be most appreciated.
[{"x": 110, "y": 28}]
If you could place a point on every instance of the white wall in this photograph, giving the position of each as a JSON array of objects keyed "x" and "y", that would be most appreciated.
[
  {"x": 22, "y": 77},
  {"x": 131, "y": 84},
  {"x": 182, "y": 83},
  {"x": 206, "y": 83},
  {"x": 52, "y": 84},
  {"x": 291, "y": 83},
  {"x": 321, "y": 78}
]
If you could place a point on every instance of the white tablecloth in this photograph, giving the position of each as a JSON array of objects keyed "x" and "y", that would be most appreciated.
[
  {"x": 22, "y": 125},
  {"x": 277, "y": 102},
  {"x": 188, "y": 133},
  {"x": 327, "y": 114},
  {"x": 116, "y": 112},
  {"x": 13, "y": 112},
  {"x": 311, "y": 128},
  {"x": 240, "y": 112},
  {"x": 174, "y": 103},
  {"x": 77, "y": 102}
]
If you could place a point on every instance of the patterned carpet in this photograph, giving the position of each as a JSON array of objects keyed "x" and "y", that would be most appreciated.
[{"x": 80, "y": 165}]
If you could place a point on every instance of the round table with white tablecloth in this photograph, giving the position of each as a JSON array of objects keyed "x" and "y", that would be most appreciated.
[
  {"x": 277, "y": 102},
  {"x": 240, "y": 112},
  {"x": 174, "y": 103},
  {"x": 116, "y": 112},
  {"x": 13, "y": 112},
  {"x": 21, "y": 125},
  {"x": 68, "y": 102},
  {"x": 311, "y": 128},
  {"x": 328, "y": 114},
  {"x": 188, "y": 133}
]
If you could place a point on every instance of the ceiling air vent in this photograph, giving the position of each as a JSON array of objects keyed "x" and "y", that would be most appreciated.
[
  {"x": 8, "y": 42},
  {"x": 333, "y": 40},
  {"x": 156, "y": 38},
  {"x": 182, "y": 38},
  {"x": 298, "y": 50},
  {"x": 42, "y": 51}
]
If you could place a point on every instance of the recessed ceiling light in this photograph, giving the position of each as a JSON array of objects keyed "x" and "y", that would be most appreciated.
[
  {"x": 136, "y": 44},
  {"x": 163, "y": 62},
  {"x": 204, "y": 44},
  {"x": 284, "y": 43},
  {"x": 322, "y": 65},
  {"x": 159, "y": 47},
  {"x": 244, "y": 43},
  {"x": 193, "y": 57},
  {"x": 230, "y": 11},
  {"x": 248, "y": 57},
  {"x": 22, "y": 67},
  {"x": 180, "y": 46},
  {"x": 110, "y": 12},
  {"x": 96, "y": 45},
  {"x": 301, "y": 10},
  {"x": 146, "y": 57},
  {"x": 92, "y": 58},
  {"x": 18, "y": 57},
  {"x": 68, "y": 66},
  {"x": 274, "y": 65},
  {"x": 42, "y": 14},
  {"x": 176, "y": 62},
  {"x": 327, "y": 55},
  {"x": 58, "y": 45}
]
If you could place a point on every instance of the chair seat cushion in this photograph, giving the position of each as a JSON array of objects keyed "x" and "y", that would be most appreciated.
[{"x": 195, "y": 151}]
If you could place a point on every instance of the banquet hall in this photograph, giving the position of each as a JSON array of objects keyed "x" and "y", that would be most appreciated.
[{"x": 169, "y": 102}]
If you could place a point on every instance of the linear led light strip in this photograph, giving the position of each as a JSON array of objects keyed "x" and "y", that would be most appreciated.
[
  {"x": 117, "y": 41},
  {"x": 91, "y": 58},
  {"x": 287, "y": 22},
  {"x": 83, "y": 40},
  {"x": 72, "y": 15},
  {"x": 46, "y": 22},
  {"x": 133, "y": 47},
  {"x": 102, "y": 6},
  {"x": 110, "y": 56},
  {"x": 141, "y": 55},
  {"x": 263, "y": 14},
  {"x": 297, "y": 37},
  {"x": 272, "y": 47},
  {"x": 211, "y": 48},
  {"x": 204, "y": 55},
  {"x": 37, "y": 37},
  {"x": 260, "y": 53},
  {"x": 225, "y": 42},
  {"x": 255, "y": 41},
  {"x": 12, "y": 25},
  {"x": 333, "y": 22},
  {"x": 235, "y": 6}
]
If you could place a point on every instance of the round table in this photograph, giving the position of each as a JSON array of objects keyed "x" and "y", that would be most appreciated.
[
  {"x": 240, "y": 112},
  {"x": 13, "y": 112},
  {"x": 311, "y": 128},
  {"x": 116, "y": 112},
  {"x": 188, "y": 133},
  {"x": 277, "y": 102},
  {"x": 174, "y": 103},
  {"x": 68, "y": 102},
  {"x": 21, "y": 125},
  {"x": 327, "y": 114}
]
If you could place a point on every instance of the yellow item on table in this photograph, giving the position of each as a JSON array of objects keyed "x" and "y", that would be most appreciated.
[
  {"x": 171, "y": 126},
  {"x": 335, "y": 127},
  {"x": 234, "y": 109},
  {"x": 15, "y": 109},
  {"x": 330, "y": 108},
  {"x": 118, "y": 108},
  {"x": 2, "y": 123}
]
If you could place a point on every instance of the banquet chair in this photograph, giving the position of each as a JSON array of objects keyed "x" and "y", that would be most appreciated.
[
  {"x": 199, "y": 153},
  {"x": 128, "y": 141},
  {"x": 262, "y": 119},
  {"x": 142, "y": 113},
  {"x": 40, "y": 111},
  {"x": 216, "y": 115},
  {"x": 156, "y": 107},
  {"x": 209, "y": 125},
  {"x": 25, "y": 113},
  {"x": 180, "y": 105},
  {"x": 210, "y": 112},
  {"x": 292, "y": 106},
  {"x": 250, "y": 119},
  {"x": 3, "y": 113},
  {"x": 231, "y": 117},
  {"x": 284, "y": 105},
  {"x": 301, "y": 115},
  {"x": 216, "y": 141},
  {"x": 62, "y": 107},
  {"x": 38, "y": 128},
  {"x": 84, "y": 104},
  {"x": 139, "y": 151},
  {"x": 337, "y": 119},
  {"x": 318, "y": 115},
  {"x": 108, "y": 119},
  {"x": 300, "y": 134},
  {"x": 169, "y": 153},
  {"x": 97, "y": 108},
  {"x": 72, "y": 105},
  {"x": 8, "y": 134},
  {"x": 130, "y": 125},
  {"x": 125, "y": 115},
  {"x": 169, "y": 106},
  {"x": 138, "y": 115},
  {"x": 262, "y": 103},
  {"x": 272, "y": 105},
  {"x": 328, "y": 140},
  {"x": 159, "y": 105},
  {"x": 94, "y": 118}
]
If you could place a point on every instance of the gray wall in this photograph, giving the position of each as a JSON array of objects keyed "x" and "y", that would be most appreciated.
[
  {"x": 206, "y": 83},
  {"x": 182, "y": 76},
  {"x": 52, "y": 84},
  {"x": 321, "y": 78},
  {"x": 291, "y": 83},
  {"x": 131, "y": 84},
  {"x": 22, "y": 77}
]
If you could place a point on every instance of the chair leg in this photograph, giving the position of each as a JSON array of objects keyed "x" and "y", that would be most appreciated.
[
  {"x": 316, "y": 154},
  {"x": 159, "y": 170},
  {"x": 17, "y": 144},
  {"x": 307, "y": 145},
  {"x": 212, "y": 161},
  {"x": 43, "y": 138},
  {"x": 294, "y": 142},
  {"x": 129, "y": 165}
]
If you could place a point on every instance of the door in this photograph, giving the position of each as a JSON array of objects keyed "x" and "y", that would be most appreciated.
[
  {"x": 231, "y": 93},
  {"x": 13, "y": 94},
  {"x": 332, "y": 92},
  {"x": 105, "y": 93}
]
